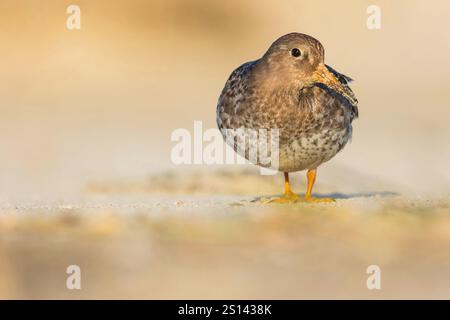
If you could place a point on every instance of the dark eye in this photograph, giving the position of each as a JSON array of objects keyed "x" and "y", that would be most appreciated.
[{"x": 296, "y": 52}]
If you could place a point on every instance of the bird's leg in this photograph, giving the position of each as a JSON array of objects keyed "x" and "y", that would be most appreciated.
[
  {"x": 288, "y": 195},
  {"x": 311, "y": 176},
  {"x": 287, "y": 187}
]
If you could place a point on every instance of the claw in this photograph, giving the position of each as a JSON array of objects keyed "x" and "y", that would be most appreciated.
[{"x": 288, "y": 197}]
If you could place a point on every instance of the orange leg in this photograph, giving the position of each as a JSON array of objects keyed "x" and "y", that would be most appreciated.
[
  {"x": 288, "y": 195},
  {"x": 311, "y": 176},
  {"x": 287, "y": 186}
]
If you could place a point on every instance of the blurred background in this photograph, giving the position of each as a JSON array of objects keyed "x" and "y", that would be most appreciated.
[
  {"x": 88, "y": 113},
  {"x": 101, "y": 102}
]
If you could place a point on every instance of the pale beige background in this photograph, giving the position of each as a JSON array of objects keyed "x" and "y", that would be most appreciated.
[{"x": 101, "y": 102}]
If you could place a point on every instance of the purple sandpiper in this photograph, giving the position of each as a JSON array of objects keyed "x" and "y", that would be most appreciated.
[{"x": 291, "y": 89}]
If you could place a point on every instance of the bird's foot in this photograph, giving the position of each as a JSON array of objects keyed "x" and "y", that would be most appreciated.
[
  {"x": 295, "y": 198},
  {"x": 287, "y": 197},
  {"x": 318, "y": 200}
]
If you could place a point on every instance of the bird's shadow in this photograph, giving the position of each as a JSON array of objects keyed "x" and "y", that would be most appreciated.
[{"x": 339, "y": 195}]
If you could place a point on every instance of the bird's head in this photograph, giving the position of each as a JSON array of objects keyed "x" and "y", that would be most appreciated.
[{"x": 298, "y": 59}]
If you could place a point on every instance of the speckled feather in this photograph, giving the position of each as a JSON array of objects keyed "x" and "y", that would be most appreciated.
[{"x": 314, "y": 121}]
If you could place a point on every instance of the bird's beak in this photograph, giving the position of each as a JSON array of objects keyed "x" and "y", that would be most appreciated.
[{"x": 323, "y": 76}]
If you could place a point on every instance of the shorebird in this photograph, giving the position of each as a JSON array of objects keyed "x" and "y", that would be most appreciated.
[{"x": 291, "y": 89}]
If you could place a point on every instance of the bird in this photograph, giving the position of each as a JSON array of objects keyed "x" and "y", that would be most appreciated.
[{"x": 292, "y": 90}]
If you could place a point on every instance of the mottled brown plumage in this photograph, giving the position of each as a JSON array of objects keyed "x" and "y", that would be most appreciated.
[{"x": 292, "y": 90}]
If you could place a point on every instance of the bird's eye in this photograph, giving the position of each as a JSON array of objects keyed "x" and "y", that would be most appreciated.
[{"x": 296, "y": 52}]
